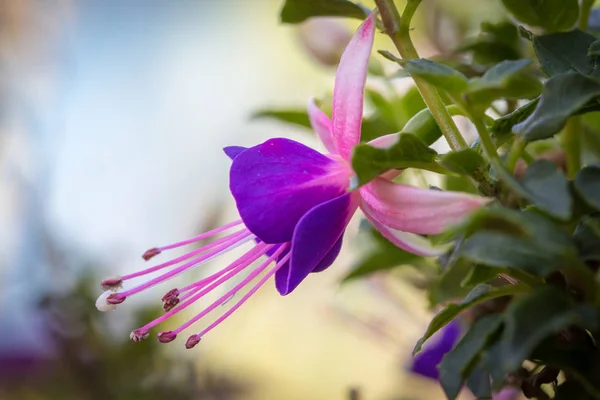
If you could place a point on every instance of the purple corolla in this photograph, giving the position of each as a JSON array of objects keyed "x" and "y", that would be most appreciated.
[{"x": 295, "y": 204}]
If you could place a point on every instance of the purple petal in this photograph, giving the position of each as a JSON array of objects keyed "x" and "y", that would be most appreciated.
[
  {"x": 233, "y": 151},
  {"x": 348, "y": 92},
  {"x": 315, "y": 240},
  {"x": 275, "y": 183},
  {"x": 426, "y": 362},
  {"x": 330, "y": 256}
]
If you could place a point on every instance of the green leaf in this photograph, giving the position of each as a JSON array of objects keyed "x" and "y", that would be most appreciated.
[
  {"x": 587, "y": 238},
  {"x": 423, "y": 126},
  {"x": 594, "y": 49},
  {"x": 572, "y": 390},
  {"x": 296, "y": 117},
  {"x": 543, "y": 185},
  {"x": 480, "y": 274},
  {"x": 552, "y": 15},
  {"x": 508, "y": 79},
  {"x": 495, "y": 43},
  {"x": 504, "y": 125},
  {"x": 459, "y": 363},
  {"x": 439, "y": 75},
  {"x": 587, "y": 183},
  {"x": 463, "y": 162},
  {"x": 531, "y": 319},
  {"x": 384, "y": 256},
  {"x": 447, "y": 286},
  {"x": 564, "y": 52},
  {"x": 564, "y": 95},
  {"x": 296, "y": 11},
  {"x": 478, "y": 295},
  {"x": 479, "y": 382},
  {"x": 409, "y": 151}
]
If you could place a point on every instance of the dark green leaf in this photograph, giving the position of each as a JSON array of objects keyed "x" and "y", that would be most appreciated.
[
  {"x": 543, "y": 185},
  {"x": 552, "y": 15},
  {"x": 495, "y": 43},
  {"x": 447, "y": 287},
  {"x": 480, "y": 274},
  {"x": 504, "y": 125},
  {"x": 439, "y": 75},
  {"x": 384, "y": 256},
  {"x": 531, "y": 319},
  {"x": 463, "y": 162},
  {"x": 564, "y": 52},
  {"x": 478, "y": 295},
  {"x": 508, "y": 79},
  {"x": 295, "y": 11},
  {"x": 459, "y": 363},
  {"x": 587, "y": 183},
  {"x": 564, "y": 95},
  {"x": 594, "y": 49},
  {"x": 587, "y": 237},
  {"x": 296, "y": 117},
  {"x": 572, "y": 390},
  {"x": 479, "y": 383},
  {"x": 409, "y": 151}
]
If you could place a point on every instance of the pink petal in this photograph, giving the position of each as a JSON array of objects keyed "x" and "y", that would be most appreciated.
[
  {"x": 348, "y": 93},
  {"x": 410, "y": 242},
  {"x": 410, "y": 209},
  {"x": 321, "y": 124}
]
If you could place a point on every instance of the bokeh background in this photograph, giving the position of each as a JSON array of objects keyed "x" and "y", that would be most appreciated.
[{"x": 112, "y": 117}]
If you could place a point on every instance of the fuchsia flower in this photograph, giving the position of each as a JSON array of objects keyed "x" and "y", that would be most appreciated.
[{"x": 295, "y": 205}]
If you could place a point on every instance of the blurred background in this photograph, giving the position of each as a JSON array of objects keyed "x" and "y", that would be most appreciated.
[{"x": 112, "y": 117}]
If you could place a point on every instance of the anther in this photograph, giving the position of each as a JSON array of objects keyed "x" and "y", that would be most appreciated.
[
  {"x": 138, "y": 335},
  {"x": 102, "y": 302},
  {"x": 150, "y": 253},
  {"x": 113, "y": 283},
  {"x": 192, "y": 341},
  {"x": 166, "y": 337},
  {"x": 116, "y": 298},
  {"x": 170, "y": 300}
]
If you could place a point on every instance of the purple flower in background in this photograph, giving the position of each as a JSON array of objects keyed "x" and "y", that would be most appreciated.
[
  {"x": 295, "y": 205},
  {"x": 426, "y": 362}
]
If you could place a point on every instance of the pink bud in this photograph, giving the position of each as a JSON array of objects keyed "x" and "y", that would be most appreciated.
[{"x": 324, "y": 39}]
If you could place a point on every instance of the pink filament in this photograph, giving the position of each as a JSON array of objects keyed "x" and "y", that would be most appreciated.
[
  {"x": 201, "y": 236},
  {"x": 246, "y": 296},
  {"x": 186, "y": 256},
  {"x": 235, "y": 289},
  {"x": 234, "y": 241},
  {"x": 236, "y": 267}
]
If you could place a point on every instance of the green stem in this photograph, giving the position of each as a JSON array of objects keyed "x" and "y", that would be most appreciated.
[
  {"x": 584, "y": 14},
  {"x": 398, "y": 29},
  {"x": 571, "y": 141},
  {"x": 528, "y": 158},
  {"x": 485, "y": 139},
  {"x": 515, "y": 154}
]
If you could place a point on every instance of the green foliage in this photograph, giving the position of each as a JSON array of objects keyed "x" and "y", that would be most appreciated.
[
  {"x": 552, "y": 15},
  {"x": 564, "y": 95},
  {"x": 409, "y": 151},
  {"x": 524, "y": 269},
  {"x": 295, "y": 11},
  {"x": 461, "y": 362}
]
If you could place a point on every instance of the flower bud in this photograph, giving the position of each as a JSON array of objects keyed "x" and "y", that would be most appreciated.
[{"x": 324, "y": 39}]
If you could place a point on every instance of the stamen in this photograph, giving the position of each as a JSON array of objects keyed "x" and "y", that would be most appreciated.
[
  {"x": 199, "y": 237},
  {"x": 236, "y": 235},
  {"x": 192, "y": 341},
  {"x": 138, "y": 335},
  {"x": 113, "y": 283},
  {"x": 233, "y": 243},
  {"x": 166, "y": 337},
  {"x": 116, "y": 298},
  {"x": 150, "y": 253},
  {"x": 170, "y": 300},
  {"x": 243, "y": 299},
  {"x": 240, "y": 264},
  {"x": 239, "y": 286}
]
